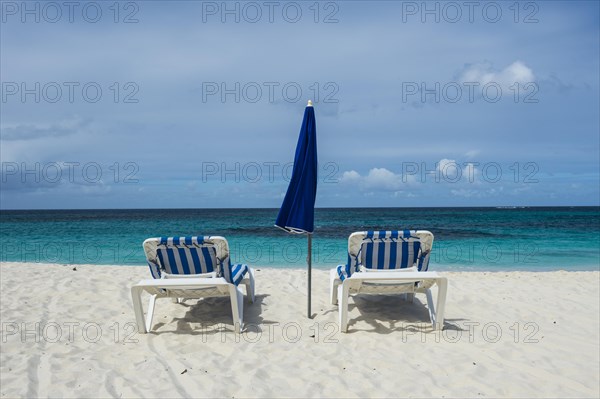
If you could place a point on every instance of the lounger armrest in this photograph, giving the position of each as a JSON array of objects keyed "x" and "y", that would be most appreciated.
[
  {"x": 395, "y": 275},
  {"x": 205, "y": 275},
  {"x": 187, "y": 283},
  {"x": 404, "y": 270}
]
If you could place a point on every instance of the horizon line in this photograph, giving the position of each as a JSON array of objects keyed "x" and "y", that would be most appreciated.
[{"x": 316, "y": 208}]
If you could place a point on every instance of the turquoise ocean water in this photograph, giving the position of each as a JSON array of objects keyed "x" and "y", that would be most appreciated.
[{"x": 465, "y": 238}]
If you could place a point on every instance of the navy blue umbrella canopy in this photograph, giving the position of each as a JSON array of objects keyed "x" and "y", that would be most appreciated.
[{"x": 297, "y": 213}]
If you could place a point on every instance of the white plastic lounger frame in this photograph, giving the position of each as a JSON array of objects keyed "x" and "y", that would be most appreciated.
[
  {"x": 383, "y": 278},
  {"x": 180, "y": 283}
]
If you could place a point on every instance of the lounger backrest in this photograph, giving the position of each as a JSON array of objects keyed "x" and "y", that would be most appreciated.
[
  {"x": 397, "y": 252},
  {"x": 187, "y": 255},
  {"x": 381, "y": 250}
]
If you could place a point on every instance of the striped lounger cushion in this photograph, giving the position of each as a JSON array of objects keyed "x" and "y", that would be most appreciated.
[
  {"x": 191, "y": 255},
  {"x": 386, "y": 250}
]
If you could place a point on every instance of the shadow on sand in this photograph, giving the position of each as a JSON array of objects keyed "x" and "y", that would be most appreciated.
[{"x": 212, "y": 316}]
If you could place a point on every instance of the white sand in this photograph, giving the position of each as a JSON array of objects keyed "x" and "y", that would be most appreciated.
[{"x": 549, "y": 344}]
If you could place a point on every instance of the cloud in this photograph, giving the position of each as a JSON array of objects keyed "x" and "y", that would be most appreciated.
[
  {"x": 471, "y": 171},
  {"x": 451, "y": 171},
  {"x": 445, "y": 164},
  {"x": 34, "y": 132},
  {"x": 447, "y": 171},
  {"x": 472, "y": 153},
  {"x": 383, "y": 179},
  {"x": 558, "y": 84},
  {"x": 485, "y": 73},
  {"x": 350, "y": 176},
  {"x": 466, "y": 193},
  {"x": 378, "y": 179},
  {"x": 62, "y": 175}
]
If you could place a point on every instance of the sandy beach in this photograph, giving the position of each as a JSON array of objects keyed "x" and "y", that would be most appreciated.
[{"x": 69, "y": 331}]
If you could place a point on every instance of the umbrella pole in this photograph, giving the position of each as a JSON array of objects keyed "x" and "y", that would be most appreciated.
[{"x": 309, "y": 261}]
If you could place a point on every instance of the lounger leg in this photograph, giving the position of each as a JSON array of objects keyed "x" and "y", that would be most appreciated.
[
  {"x": 150, "y": 313},
  {"x": 442, "y": 284},
  {"x": 136, "y": 296},
  {"x": 237, "y": 307},
  {"x": 410, "y": 297},
  {"x": 431, "y": 308},
  {"x": 250, "y": 285},
  {"x": 343, "y": 306},
  {"x": 333, "y": 286}
]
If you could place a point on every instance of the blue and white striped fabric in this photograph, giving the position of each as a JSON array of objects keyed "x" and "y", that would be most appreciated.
[
  {"x": 343, "y": 271},
  {"x": 386, "y": 250},
  {"x": 193, "y": 255},
  {"x": 186, "y": 255},
  {"x": 235, "y": 273},
  {"x": 423, "y": 264},
  {"x": 389, "y": 250},
  {"x": 154, "y": 269}
]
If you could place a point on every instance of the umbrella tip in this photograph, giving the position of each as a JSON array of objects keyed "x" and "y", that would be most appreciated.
[{"x": 309, "y": 103}]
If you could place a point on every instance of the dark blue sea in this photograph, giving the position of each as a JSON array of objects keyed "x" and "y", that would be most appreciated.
[{"x": 478, "y": 239}]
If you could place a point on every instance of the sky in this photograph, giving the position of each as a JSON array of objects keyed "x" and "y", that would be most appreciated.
[{"x": 191, "y": 104}]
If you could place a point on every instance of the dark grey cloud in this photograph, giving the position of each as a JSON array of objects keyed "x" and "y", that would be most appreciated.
[{"x": 34, "y": 132}]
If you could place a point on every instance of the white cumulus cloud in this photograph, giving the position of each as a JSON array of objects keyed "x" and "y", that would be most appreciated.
[
  {"x": 350, "y": 176},
  {"x": 485, "y": 73},
  {"x": 377, "y": 179}
]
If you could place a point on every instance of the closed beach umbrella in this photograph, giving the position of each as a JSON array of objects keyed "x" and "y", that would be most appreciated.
[{"x": 297, "y": 213}]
